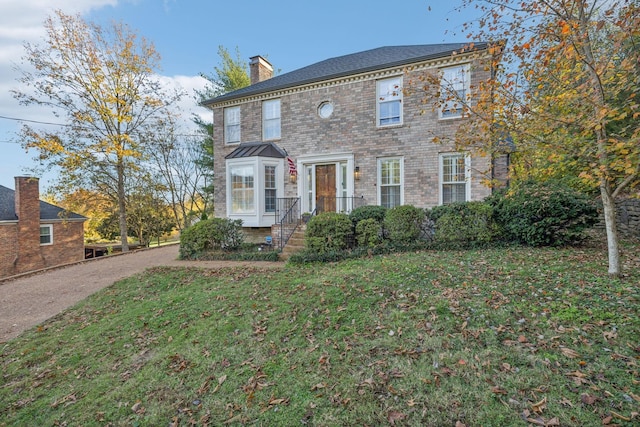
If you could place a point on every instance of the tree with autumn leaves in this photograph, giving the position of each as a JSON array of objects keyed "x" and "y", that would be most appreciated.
[
  {"x": 567, "y": 77},
  {"x": 102, "y": 82}
]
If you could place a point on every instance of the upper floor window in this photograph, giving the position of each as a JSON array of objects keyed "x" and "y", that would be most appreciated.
[
  {"x": 232, "y": 125},
  {"x": 271, "y": 119},
  {"x": 390, "y": 182},
  {"x": 46, "y": 234},
  {"x": 389, "y": 96},
  {"x": 454, "y": 178},
  {"x": 454, "y": 90}
]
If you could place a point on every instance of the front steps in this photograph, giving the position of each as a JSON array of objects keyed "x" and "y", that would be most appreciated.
[{"x": 295, "y": 242}]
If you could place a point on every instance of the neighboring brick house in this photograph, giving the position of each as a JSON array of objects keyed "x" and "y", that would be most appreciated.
[
  {"x": 36, "y": 234},
  {"x": 343, "y": 132}
]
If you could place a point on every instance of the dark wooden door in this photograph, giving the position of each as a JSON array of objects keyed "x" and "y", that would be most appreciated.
[{"x": 326, "y": 188}]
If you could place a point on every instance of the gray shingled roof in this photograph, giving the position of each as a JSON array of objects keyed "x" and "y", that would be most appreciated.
[
  {"x": 355, "y": 63},
  {"x": 48, "y": 212},
  {"x": 257, "y": 149}
]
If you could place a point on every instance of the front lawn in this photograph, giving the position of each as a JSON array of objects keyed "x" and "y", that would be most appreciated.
[{"x": 494, "y": 337}]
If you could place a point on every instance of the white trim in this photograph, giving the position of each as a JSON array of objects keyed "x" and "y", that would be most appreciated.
[
  {"x": 379, "y": 161},
  {"x": 258, "y": 217},
  {"x": 395, "y": 96},
  {"x": 225, "y": 123},
  {"x": 467, "y": 174},
  {"x": 446, "y": 86},
  {"x": 431, "y": 64},
  {"x": 50, "y": 227},
  {"x": 322, "y": 159},
  {"x": 279, "y": 118}
]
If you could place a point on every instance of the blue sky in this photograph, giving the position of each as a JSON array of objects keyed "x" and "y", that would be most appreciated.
[{"x": 290, "y": 33}]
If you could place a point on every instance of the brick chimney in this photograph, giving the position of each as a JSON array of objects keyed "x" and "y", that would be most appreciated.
[
  {"x": 260, "y": 69},
  {"x": 27, "y": 205}
]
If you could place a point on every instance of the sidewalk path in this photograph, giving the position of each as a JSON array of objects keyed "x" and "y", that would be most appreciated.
[{"x": 29, "y": 300}]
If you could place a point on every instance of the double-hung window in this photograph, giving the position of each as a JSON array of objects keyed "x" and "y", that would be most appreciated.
[
  {"x": 389, "y": 96},
  {"x": 242, "y": 189},
  {"x": 270, "y": 187},
  {"x": 46, "y": 234},
  {"x": 454, "y": 178},
  {"x": 271, "y": 119},
  {"x": 390, "y": 182},
  {"x": 232, "y": 125},
  {"x": 454, "y": 90}
]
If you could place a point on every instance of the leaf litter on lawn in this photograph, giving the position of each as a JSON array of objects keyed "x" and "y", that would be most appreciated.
[{"x": 514, "y": 336}]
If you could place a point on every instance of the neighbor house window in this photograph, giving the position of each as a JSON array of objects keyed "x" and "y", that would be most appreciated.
[
  {"x": 454, "y": 178},
  {"x": 46, "y": 234},
  {"x": 390, "y": 191},
  {"x": 242, "y": 189},
  {"x": 389, "y": 96},
  {"x": 454, "y": 90},
  {"x": 232, "y": 125},
  {"x": 270, "y": 188},
  {"x": 271, "y": 119}
]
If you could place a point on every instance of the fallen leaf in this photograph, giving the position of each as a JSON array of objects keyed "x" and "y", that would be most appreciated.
[
  {"x": 395, "y": 416},
  {"x": 498, "y": 390},
  {"x": 620, "y": 417},
  {"x": 587, "y": 399},
  {"x": 566, "y": 402},
  {"x": 273, "y": 401},
  {"x": 522, "y": 339},
  {"x": 571, "y": 354},
  {"x": 539, "y": 406},
  {"x": 459, "y": 424}
]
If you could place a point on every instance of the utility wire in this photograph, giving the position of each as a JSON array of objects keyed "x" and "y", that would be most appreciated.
[{"x": 65, "y": 124}]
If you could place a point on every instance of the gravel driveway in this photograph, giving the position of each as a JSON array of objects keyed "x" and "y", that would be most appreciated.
[{"x": 29, "y": 300}]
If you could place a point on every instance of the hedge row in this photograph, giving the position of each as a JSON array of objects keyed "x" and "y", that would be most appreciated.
[{"x": 535, "y": 214}]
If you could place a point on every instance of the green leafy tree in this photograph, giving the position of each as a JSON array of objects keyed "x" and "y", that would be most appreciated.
[
  {"x": 232, "y": 75},
  {"x": 148, "y": 216},
  {"x": 102, "y": 83}
]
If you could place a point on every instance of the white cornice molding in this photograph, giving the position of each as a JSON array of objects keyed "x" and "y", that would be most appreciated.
[{"x": 460, "y": 58}]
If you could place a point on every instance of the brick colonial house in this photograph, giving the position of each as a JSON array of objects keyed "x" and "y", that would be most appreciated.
[
  {"x": 342, "y": 133},
  {"x": 35, "y": 234}
]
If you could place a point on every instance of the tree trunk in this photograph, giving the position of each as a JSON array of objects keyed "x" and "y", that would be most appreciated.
[
  {"x": 122, "y": 209},
  {"x": 610, "y": 222}
]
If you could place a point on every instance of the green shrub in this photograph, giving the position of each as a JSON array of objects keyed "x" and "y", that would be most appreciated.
[
  {"x": 211, "y": 234},
  {"x": 544, "y": 214},
  {"x": 328, "y": 231},
  {"x": 405, "y": 224},
  {"x": 463, "y": 224},
  {"x": 369, "y": 233},
  {"x": 368, "y": 212}
]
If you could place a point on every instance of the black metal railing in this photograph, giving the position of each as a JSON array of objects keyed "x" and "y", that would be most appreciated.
[
  {"x": 339, "y": 204},
  {"x": 288, "y": 218}
]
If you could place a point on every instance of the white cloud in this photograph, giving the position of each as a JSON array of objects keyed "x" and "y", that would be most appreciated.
[
  {"x": 22, "y": 21},
  {"x": 187, "y": 105}
]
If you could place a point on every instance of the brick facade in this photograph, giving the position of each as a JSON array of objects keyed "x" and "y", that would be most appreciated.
[
  {"x": 352, "y": 130},
  {"x": 21, "y": 250}
]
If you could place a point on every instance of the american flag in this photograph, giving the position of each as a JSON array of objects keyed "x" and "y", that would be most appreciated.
[{"x": 292, "y": 166}]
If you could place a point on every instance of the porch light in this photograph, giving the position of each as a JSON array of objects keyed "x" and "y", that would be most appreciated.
[
  {"x": 356, "y": 173},
  {"x": 292, "y": 178}
]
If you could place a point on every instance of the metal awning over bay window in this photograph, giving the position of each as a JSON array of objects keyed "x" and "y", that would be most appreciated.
[{"x": 255, "y": 178}]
